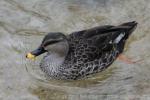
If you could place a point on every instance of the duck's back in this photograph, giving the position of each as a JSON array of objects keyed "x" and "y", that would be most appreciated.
[
  {"x": 88, "y": 55},
  {"x": 94, "y": 49}
]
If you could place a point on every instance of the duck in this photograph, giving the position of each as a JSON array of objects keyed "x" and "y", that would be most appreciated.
[{"x": 82, "y": 53}]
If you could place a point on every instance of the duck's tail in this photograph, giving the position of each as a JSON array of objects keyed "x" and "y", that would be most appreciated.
[
  {"x": 129, "y": 27},
  {"x": 126, "y": 31}
]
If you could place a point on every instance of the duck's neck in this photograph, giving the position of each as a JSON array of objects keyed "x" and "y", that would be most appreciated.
[{"x": 52, "y": 62}]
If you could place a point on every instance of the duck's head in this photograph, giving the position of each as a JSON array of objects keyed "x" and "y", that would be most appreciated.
[{"x": 52, "y": 43}]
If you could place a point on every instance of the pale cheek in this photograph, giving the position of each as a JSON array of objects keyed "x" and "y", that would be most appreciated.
[{"x": 52, "y": 48}]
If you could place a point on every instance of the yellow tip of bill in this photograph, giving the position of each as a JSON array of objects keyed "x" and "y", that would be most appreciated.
[{"x": 30, "y": 56}]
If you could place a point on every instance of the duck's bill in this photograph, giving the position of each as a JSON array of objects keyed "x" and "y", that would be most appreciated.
[{"x": 32, "y": 55}]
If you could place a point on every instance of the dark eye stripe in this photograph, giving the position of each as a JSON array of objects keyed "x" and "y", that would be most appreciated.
[{"x": 49, "y": 42}]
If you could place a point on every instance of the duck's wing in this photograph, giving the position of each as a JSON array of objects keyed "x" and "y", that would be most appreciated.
[
  {"x": 104, "y": 36},
  {"x": 104, "y": 30},
  {"x": 75, "y": 37},
  {"x": 104, "y": 41},
  {"x": 110, "y": 36}
]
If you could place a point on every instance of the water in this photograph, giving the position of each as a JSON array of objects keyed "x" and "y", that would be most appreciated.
[{"x": 23, "y": 23}]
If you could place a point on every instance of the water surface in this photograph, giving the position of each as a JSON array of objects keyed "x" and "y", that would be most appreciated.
[{"x": 23, "y": 24}]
